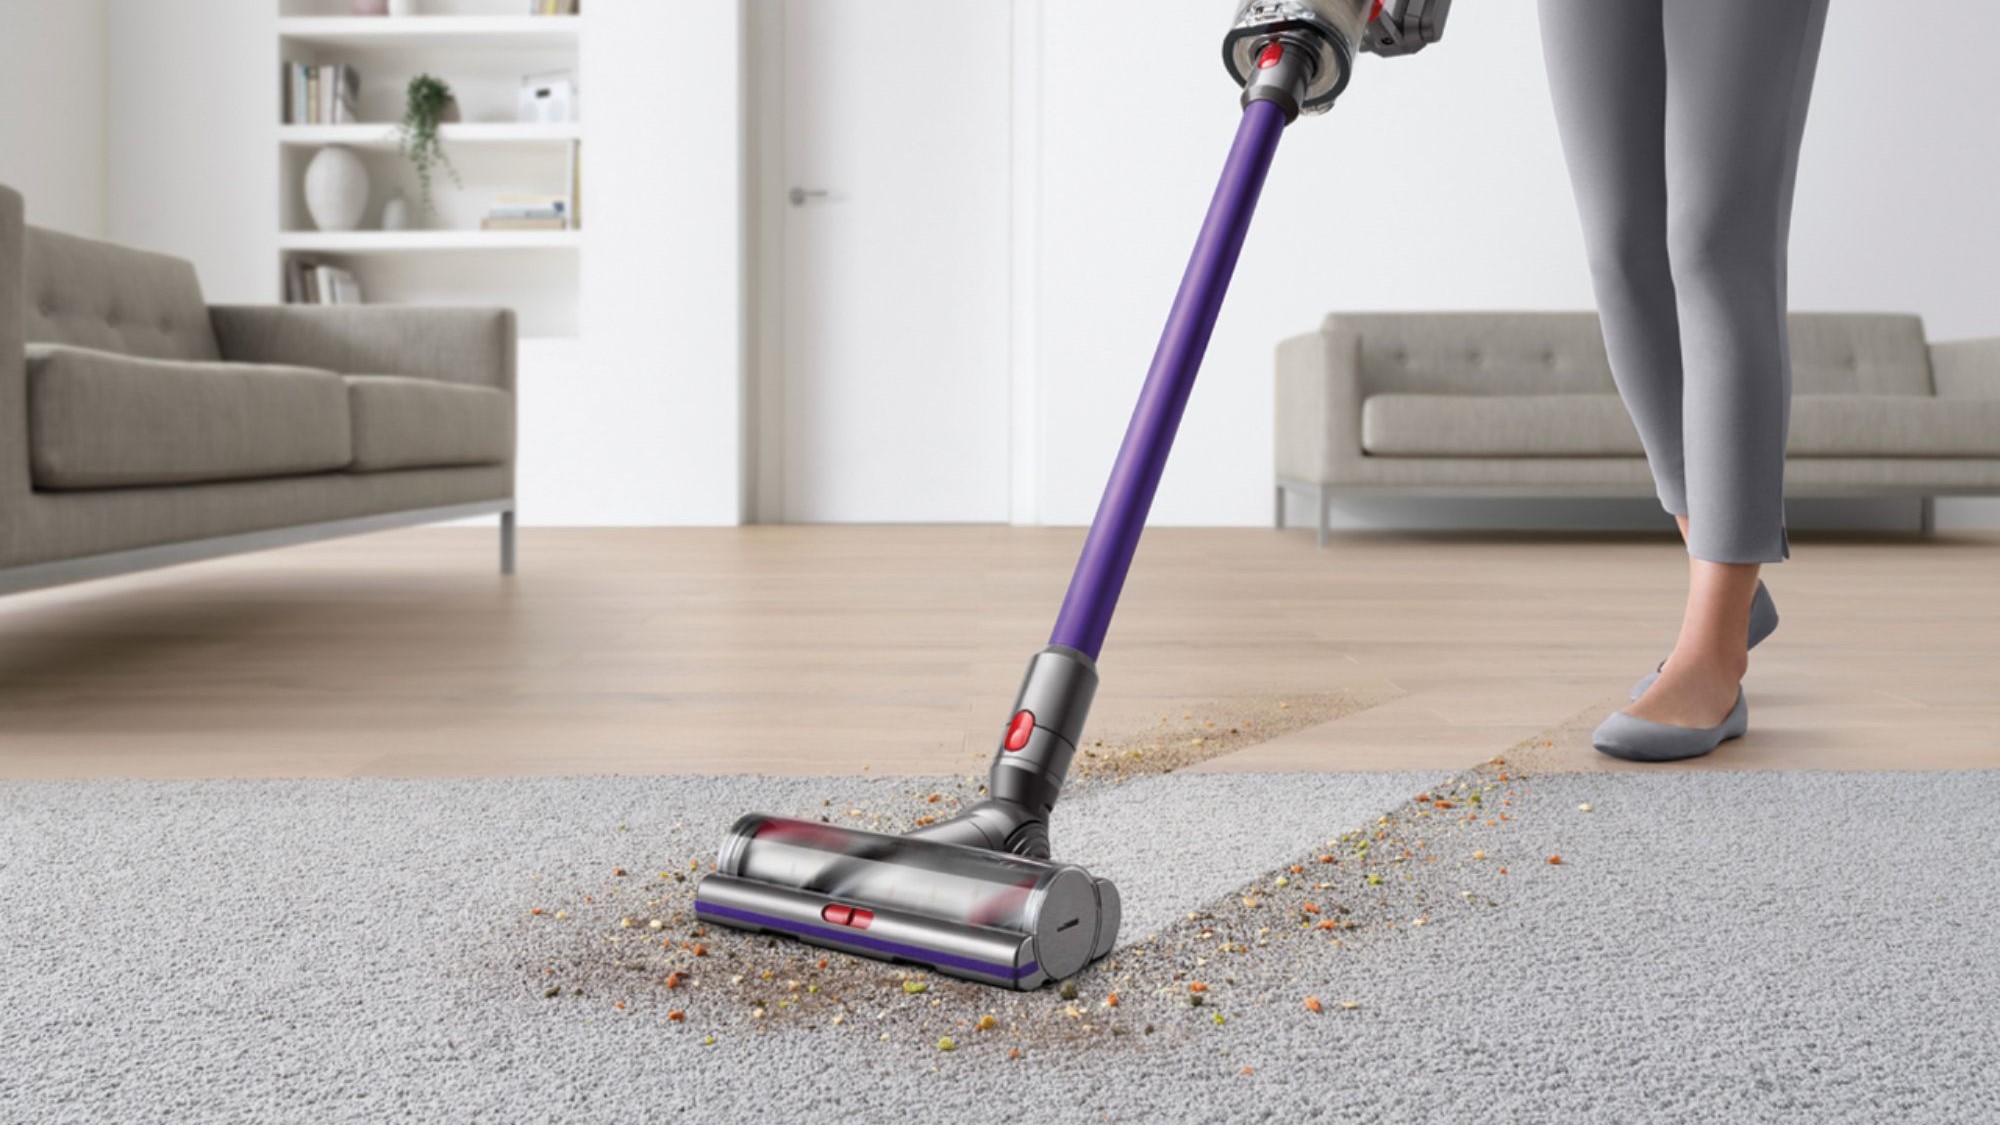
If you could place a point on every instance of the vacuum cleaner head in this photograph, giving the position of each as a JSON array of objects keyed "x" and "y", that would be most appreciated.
[{"x": 967, "y": 912}]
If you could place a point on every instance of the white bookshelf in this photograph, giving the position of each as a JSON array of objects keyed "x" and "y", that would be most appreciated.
[{"x": 483, "y": 48}]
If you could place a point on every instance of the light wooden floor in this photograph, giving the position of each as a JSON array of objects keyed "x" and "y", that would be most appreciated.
[{"x": 827, "y": 650}]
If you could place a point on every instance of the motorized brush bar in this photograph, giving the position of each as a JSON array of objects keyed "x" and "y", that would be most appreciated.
[{"x": 969, "y": 912}]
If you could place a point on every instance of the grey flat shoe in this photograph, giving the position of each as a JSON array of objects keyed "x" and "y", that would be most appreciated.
[
  {"x": 1641, "y": 740},
  {"x": 1763, "y": 622}
]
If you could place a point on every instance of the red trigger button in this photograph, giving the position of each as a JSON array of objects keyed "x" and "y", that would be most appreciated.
[
  {"x": 1272, "y": 55},
  {"x": 1020, "y": 730}
]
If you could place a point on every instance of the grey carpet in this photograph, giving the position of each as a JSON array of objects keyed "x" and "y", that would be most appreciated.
[{"x": 1741, "y": 947}]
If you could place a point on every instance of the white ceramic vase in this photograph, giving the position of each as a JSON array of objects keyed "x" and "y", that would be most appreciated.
[
  {"x": 396, "y": 213},
  {"x": 402, "y": 7},
  {"x": 336, "y": 189}
]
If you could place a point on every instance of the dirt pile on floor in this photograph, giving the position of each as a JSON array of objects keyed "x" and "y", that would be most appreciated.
[{"x": 633, "y": 944}]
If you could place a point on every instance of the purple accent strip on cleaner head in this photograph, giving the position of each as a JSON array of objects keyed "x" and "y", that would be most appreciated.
[
  {"x": 1135, "y": 476},
  {"x": 892, "y": 948}
]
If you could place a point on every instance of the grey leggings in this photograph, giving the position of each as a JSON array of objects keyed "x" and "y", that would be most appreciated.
[{"x": 1681, "y": 122}]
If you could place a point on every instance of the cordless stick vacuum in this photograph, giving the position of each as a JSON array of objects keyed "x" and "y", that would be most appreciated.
[{"x": 976, "y": 896}]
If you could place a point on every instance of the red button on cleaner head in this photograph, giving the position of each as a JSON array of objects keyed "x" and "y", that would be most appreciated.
[
  {"x": 1020, "y": 730},
  {"x": 1272, "y": 55}
]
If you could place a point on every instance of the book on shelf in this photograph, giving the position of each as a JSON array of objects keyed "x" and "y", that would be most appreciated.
[
  {"x": 316, "y": 283},
  {"x": 529, "y": 212},
  {"x": 325, "y": 94}
]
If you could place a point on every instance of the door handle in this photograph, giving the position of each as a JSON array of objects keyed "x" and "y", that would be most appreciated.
[{"x": 801, "y": 196}]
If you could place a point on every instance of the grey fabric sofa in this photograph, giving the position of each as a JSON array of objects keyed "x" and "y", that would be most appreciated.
[
  {"x": 140, "y": 426},
  {"x": 1522, "y": 404}
]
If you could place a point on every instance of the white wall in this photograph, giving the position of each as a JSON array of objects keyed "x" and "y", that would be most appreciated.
[
  {"x": 52, "y": 110},
  {"x": 661, "y": 408},
  {"x": 190, "y": 159},
  {"x": 1438, "y": 183}
]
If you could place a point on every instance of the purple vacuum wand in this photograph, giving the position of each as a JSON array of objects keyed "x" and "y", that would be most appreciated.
[
  {"x": 1135, "y": 476},
  {"x": 1048, "y": 717}
]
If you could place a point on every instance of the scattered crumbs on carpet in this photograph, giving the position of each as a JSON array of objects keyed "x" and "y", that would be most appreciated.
[{"x": 631, "y": 947}]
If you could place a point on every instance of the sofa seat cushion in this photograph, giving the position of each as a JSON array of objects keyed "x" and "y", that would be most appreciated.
[
  {"x": 1596, "y": 425},
  {"x": 1445, "y": 425},
  {"x": 404, "y": 423},
  {"x": 103, "y": 420},
  {"x": 1894, "y": 426}
]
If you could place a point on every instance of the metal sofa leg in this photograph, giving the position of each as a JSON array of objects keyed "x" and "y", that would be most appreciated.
[
  {"x": 1927, "y": 517},
  {"x": 507, "y": 541},
  {"x": 1322, "y": 501},
  {"x": 1278, "y": 510}
]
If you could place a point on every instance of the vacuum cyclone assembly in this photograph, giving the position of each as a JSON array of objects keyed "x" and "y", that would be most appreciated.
[{"x": 977, "y": 896}]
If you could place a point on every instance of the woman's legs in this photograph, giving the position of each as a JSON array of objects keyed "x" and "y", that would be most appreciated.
[
  {"x": 1681, "y": 122},
  {"x": 1740, "y": 79},
  {"x": 1607, "y": 66}
]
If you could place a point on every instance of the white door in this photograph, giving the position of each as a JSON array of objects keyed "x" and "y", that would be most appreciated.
[{"x": 896, "y": 140}]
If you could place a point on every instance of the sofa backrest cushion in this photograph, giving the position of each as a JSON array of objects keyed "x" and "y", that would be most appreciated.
[
  {"x": 90, "y": 294},
  {"x": 1499, "y": 353},
  {"x": 1512, "y": 353},
  {"x": 1859, "y": 354}
]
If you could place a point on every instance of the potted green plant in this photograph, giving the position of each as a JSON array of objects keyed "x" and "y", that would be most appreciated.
[{"x": 428, "y": 104}]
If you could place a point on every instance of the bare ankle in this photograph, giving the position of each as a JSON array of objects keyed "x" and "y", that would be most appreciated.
[{"x": 1720, "y": 663}]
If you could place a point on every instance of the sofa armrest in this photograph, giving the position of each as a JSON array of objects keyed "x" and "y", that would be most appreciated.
[
  {"x": 1966, "y": 368},
  {"x": 1318, "y": 435},
  {"x": 451, "y": 345},
  {"x": 14, "y": 474}
]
